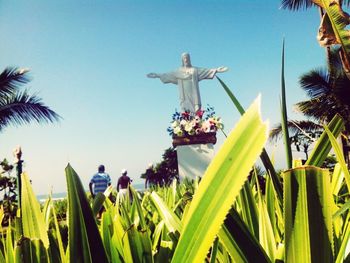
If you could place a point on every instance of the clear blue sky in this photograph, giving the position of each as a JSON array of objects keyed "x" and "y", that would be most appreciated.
[{"x": 89, "y": 60}]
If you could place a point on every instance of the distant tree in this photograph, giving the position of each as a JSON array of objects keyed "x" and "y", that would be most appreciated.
[
  {"x": 165, "y": 172},
  {"x": 19, "y": 107},
  {"x": 302, "y": 134},
  {"x": 8, "y": 187}
]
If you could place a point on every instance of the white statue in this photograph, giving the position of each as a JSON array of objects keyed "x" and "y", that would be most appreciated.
[{"x": 187, "y": 78}]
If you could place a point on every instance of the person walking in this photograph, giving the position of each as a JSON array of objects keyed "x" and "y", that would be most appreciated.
[
  {"x": 123, "y": 182},
  {"x": 99, "y": 182}
]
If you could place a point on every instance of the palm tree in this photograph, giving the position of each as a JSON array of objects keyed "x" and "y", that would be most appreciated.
[
  {"x": 19, "y": 107},
  {"x": 302, "y": 134},
  {"x": 328, "y": 89},
  {"x": 333, "y": 29}
]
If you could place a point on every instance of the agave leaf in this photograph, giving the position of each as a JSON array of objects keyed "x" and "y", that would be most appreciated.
[
  {"x": 249, "y": 210},
  {"x": 343, "y": 253},
  {"x": 340, "y": 156},
  {"x": 265, "y": 159},
  {"x": 84, "y": 240},
  {"x": 308, "y": 215},
  {"x": 33, "y": 221},
  {"x": 266, "y": 233},
  {"x": 171, "y": 220},
  {"x": 239, "y": 242},
  {"x": 9, "y": 252},
  {"x": 58, "y": 236},
  {"x": 284, "y": 118},
  {"x": 345, "y": 207},
  {"x": 220, "y": 186},
  {"x": 31, "y": 250},
  {"x": 337, "y": 179},
  {"x": 323, "y": 144},
  {"x": 99, "y": 199},
  {"x": 2, "y": 257}
]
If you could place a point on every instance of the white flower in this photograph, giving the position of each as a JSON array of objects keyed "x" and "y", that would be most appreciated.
[
  {"x": 188, "y": 127},
  {"x": 178, "y": 131},
  {"x": 183, "y": 122},
  {"x": 175, "y": 124}
]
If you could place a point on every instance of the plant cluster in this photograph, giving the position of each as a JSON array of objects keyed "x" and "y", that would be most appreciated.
[
  {"x": 221, "y": 218},
  {"x": 189, "y": 123}
]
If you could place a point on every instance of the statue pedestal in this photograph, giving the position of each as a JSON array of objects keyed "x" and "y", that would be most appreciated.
[{"x": 194, "y": 153}]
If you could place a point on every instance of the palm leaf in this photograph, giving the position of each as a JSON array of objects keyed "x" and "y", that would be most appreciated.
[
  {"x": 295, "y": 5},
  {"x": 21, "y": 108},
  {"x": 11, "y": 79},
  {"x": 339, "y": 22}
]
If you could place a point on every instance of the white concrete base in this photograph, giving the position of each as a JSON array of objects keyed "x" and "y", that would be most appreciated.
[{"x": 194, "y": 159}]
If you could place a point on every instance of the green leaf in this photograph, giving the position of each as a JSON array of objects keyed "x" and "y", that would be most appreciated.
[
  {"x": 10, "y": 256},
  {"x": 323, "y": 144},
  {"x": 265, "y": 159},
  {"x": 99, "y": 199},
  {"x": 239, "y": 242},
  {"x": 220, "y": 186},
  {"x": 84, "y": 240},
  {"x": 249, "y": 210},
  {"x": 31, "y": 250},
  {"x": 284, "y": 121},
  {"x": 171, "y": 220},
  {"x": 33, "y": 221},
  {"x": 340, "y": 156},
  {"x": 344, "y": 245},
  {"x": 308, "y": 215},
  {"x": 339, "y": 22}
]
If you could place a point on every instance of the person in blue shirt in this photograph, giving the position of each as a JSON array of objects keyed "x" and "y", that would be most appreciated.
[{"x": 99, "y": 182}]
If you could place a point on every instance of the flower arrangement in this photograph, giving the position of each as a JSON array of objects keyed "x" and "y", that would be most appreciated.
[{"x": 189, "y": 123}]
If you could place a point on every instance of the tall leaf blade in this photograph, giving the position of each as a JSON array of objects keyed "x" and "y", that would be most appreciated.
[
  {"x": 84, "y": 240},
  {"x": 308, "y": 215},
  {"x": 220, "y": 186},
  {"x": 284, "y": 122},
  {"x": 33, "y": 222},
  {"x": 323, "y": 145},
  {"x": 239, "y": 242},
  {"x": 340, "y": 157},
  {"x": 265, "y": 159}
]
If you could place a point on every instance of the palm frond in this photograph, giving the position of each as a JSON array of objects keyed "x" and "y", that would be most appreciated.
[
  {"x": 21, "y": 108},
  {"x": 316, "y": 82},
  {"x": 11, "y": 79},
  {"x": 294, "y": 127},
  {"x": 295, "y": 5}
]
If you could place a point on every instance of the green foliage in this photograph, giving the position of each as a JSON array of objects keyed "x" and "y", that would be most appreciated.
[{"x": 222, "y": 218}]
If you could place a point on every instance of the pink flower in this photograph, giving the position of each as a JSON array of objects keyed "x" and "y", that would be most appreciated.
[{"x": 200, "y": 113}]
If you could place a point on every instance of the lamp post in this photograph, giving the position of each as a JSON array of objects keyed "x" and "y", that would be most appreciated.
[{"x": 17, "y": 153}]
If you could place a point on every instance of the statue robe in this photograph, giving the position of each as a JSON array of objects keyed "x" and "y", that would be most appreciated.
[{"x": 187, "y": 80}]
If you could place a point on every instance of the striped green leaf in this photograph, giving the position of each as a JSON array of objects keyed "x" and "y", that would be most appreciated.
[
  {"x": 31, "y": 250},
  {"x": 340, "y": 156},
  {"x": 84, "y": 240},
  {"x": 323, "y": 144},
  {"x": 265, "y": 159},
  {"x": 220, "y": 186},
  {"x": 33, "y": 222},
  {"x": 239, "y": 242},
  {"x": 308, "y": 215}
]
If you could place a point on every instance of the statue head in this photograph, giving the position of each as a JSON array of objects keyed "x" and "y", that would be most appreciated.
[{"x": 186, "y": 60}]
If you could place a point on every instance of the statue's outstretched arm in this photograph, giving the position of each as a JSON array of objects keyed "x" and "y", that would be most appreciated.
[
  {"x": 222, "y": 69},
  {"x": 153, "y": 75}
]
